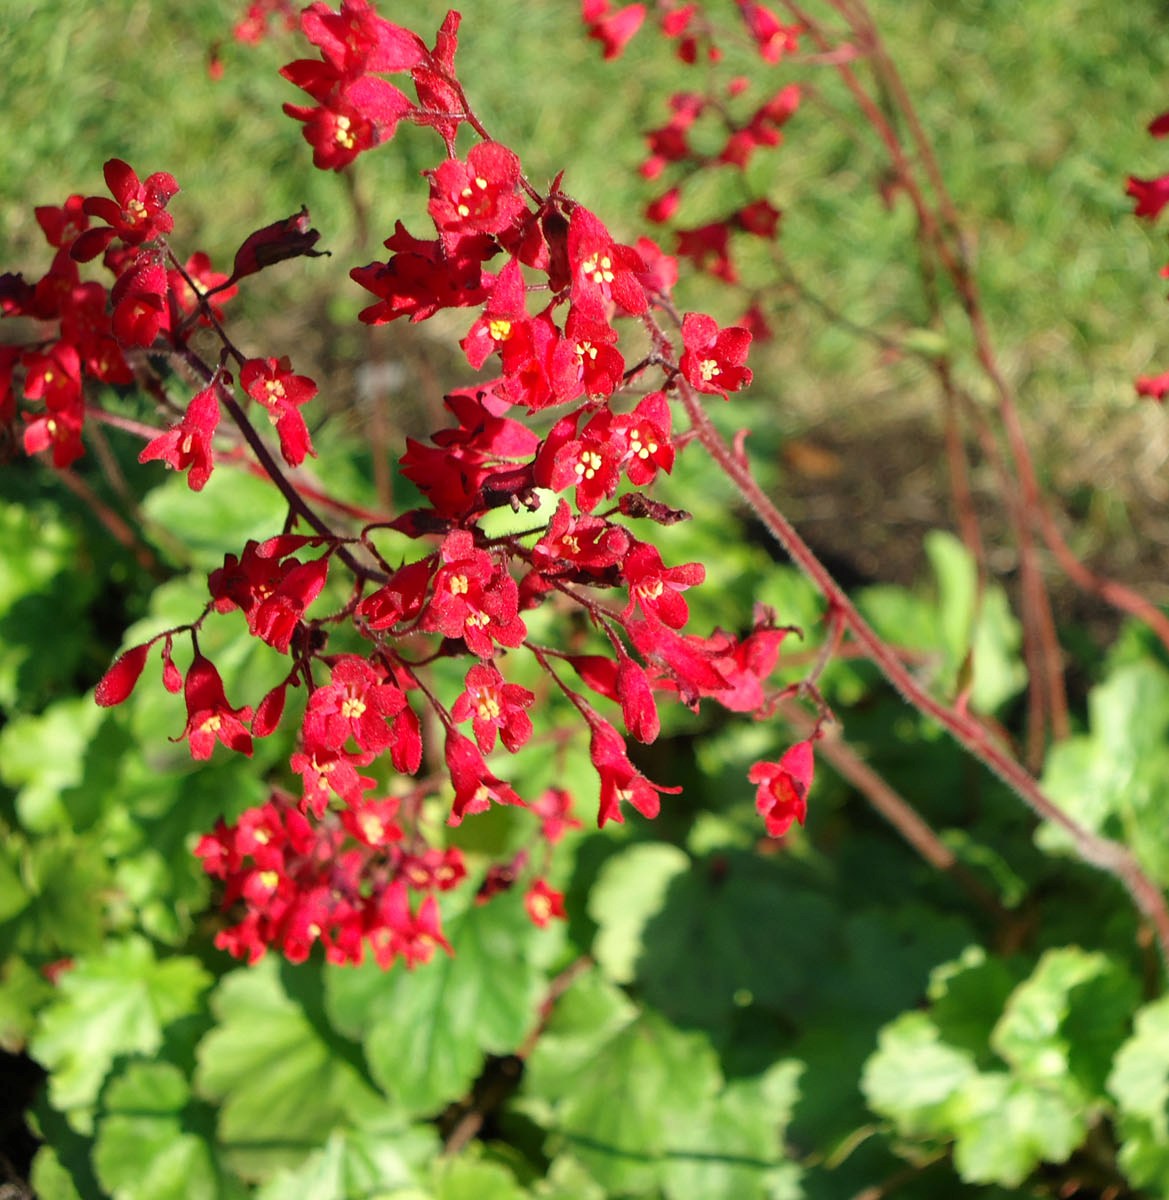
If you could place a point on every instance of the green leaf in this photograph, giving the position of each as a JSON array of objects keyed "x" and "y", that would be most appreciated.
[
  {"x": 50, "y": 1179},
  {"x": 967, "y": 999},
  {"x": 233, "y": 507},
  {"x": 630, "y": 890},
  {"x": 1140, "y": 1084},
  {"x": 1115, "y": 780},
  {"x": 368, "y": 1162},
  {"x": 618, "y": 1104},
  {"x": 914, "y": 1077},
  {"x": 153, "y": 1143},
  {"x": 43, "y": 756},
  {"x": 282, "y": 1077},
  {"x": 425, "y": 1032},
  {"x": 1005, "y": 1129},
  {"x": 1062, "y": 1027},
  {"x": 567, "y": 1179},
  {"x": 730, "y": 930},
  {"x": 23, "y": 992},
  {"x": 46, "y": 587},
  {"x": 734, "y": 1147},
  {"x": 117, "y": 1002},
  {"x": 463, "y": 1178}
]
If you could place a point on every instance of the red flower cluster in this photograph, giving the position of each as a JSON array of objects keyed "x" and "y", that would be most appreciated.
[{"x": 564, "y": 307}]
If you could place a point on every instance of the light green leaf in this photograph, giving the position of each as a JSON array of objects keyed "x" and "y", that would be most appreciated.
[
  {"x": 914, "y": 1077},
  {"x": 153, "y": 1144},
  {"x": 1074, "y": 1005},
  {"x": 23, "y": 992},
  {"x": 282, "y": 1078},
  {"x": 117, "y": 1002},
  {"x": 1140, "y": 1084},
  {"x": 233, "y": 507},
  {"x": 464, "y": 1178},
  {"x": 734, "y": 1147},
  {"x": 1005, "y": 1129},
  {"x": 43, "y": 756},
  {"x": 47, "y": 583},
  {"x": 630, "y": 890},
  {"x": 618, "y": 1109},
  {"x": 425, "y": 1032},
  {"x": 387, "y": 1161},
  {"x": 1115, "y": 780}
]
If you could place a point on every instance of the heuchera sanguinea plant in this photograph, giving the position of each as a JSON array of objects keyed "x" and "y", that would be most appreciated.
[
  {"x": 590, "y": 381},
  {"x": 582, "y": 359}
]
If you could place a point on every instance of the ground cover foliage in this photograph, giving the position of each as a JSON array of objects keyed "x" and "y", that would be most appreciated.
[{"x": 927, "y": 989}]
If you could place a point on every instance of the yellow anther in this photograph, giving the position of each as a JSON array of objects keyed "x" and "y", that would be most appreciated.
[
  {"x": 708, "y": 369},
  {"x": 352, "y": 708},
  {"x": 458, "y": 585}
]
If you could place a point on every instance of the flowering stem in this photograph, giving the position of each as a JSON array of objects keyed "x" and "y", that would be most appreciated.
[{"x": 1104, "y": 853}]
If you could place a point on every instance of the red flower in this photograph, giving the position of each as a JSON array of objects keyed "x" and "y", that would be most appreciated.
[
  {"x": 1153, "y": 386},
  {"x": 494, "y": 705},
  {"x": 186, "y": 296},
  {"x": 474, "y": 598},
  {"x": 356, "y": 39},
  {"x": 543, "y": 903},
  {"x": 620, "y": 779},
  {"x": 272, "y": 591},
  {"x": 270, "y": 382},
  {"x": 356, "y": 703},
  {"x": 475, "y": 786},
  {"x": 140, "y": 301},
  {"x": 782, "y": 795},
  {"x": 209, "y": 716},
  {"x": 1151, "y": 195},
  {"x": 612, "y": 30},
  {"x": 188, "y": 444},
  {"x": 62, "y": 226},
  {"x": 478, "y": 196},
  {"x": 602, "y": 270},
  {"x": 136, "y": 214},
  {"x": 773, "y": 39},
  {"x": 554, "y": 809},
  {"x": 713, "y": 357},
  {"x": 350, "y": 115},
  {"x": 423, "y": 277},
  {"x": 708, "y": 248},
  {"x": 655, "y": 588},
  {"x": 290, "y": 238}
]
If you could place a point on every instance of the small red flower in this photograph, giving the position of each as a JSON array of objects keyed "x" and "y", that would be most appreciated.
[
  {"x": 543, "y": 903},
  {"x": 1151, "y": 195},
  {"x": 554, "y": 808},
  {"x": 782, "y": 795},
  {"x": 494, "y": 704},
  {"x": 612, "y": 30},
  {"x": 603, "y": 271},
  {"x": 270, "y": 382},
  {"x": 478, "y": 196},
  {"x": 209, "y": 716},
  {"x": 655, "y": 588},
  {"x": 475, "y": 786},
  {"x": 187, "y": 445},
  {"x": 356, "y": 39},
  {"x": 136, "y": 214},
  {"x": 620, "y": 780},
  {"x": 713, "y": 358}
]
